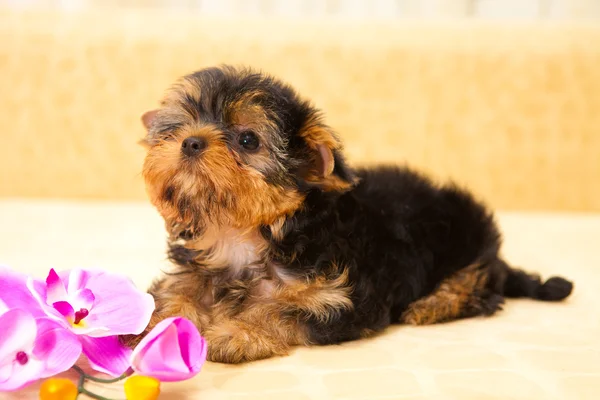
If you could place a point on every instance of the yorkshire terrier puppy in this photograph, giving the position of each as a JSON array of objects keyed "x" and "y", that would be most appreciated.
[{"x": 277, "y": 242}]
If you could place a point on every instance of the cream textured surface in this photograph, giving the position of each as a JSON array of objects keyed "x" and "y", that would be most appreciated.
[
  {"x": 473, "y": 101},
  {"x": 530, "y": 351}
]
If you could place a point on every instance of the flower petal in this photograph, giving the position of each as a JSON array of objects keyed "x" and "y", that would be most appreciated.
[
  {"x": 82, "y": 298},
  {"x": 23, "y": 375},
  {"x": 106, "y": 354},
  {"x": 15, "y": 294},
  {"x": 151, "y": 337},
  {"x": 57, "y": 346},
  {"x": 192, "y": 345},
  {"x": 5, "y": 371},
  {"x": 119, "y": 305},
  {"x": 3, "y": 307},
  {"x": 17, "y": 334},
  {"x": 78, "y": 278},
  {"x": 55, "y": 288},
  {"x": 159, "y": 354},
  {"x": 163, "y": 359},
  {"x": 65, "y": 309},
  {"x": 94, "y": 331},
  {"x": 147, "y": 357},
  {"x": 37, "y": 289}
]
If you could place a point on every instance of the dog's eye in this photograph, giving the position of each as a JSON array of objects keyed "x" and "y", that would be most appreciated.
[
  {"x": 248, "y": 140},
  {"x": 169, "y": 135}
]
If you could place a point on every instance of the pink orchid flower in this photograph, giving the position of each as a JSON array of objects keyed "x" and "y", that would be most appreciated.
[
  {"x": 31, "y": 349},
  {"x": 172, "y": 351},
  {"x": 14, "y": 293},
  {"x": 97, "y": 306}
]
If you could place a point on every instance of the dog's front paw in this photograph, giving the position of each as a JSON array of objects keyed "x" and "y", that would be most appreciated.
[{"x": 237, "y": 343}]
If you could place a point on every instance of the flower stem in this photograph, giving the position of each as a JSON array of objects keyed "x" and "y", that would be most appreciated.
[
  {"x": 90, "y": 394},
  {"x": 83, "y": 377},
  {"x": 94, "y": 379},
  {"x": 80, "y": 384}
]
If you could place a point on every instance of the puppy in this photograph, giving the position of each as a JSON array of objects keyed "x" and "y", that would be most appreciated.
[{"x": 277, "y": 242}]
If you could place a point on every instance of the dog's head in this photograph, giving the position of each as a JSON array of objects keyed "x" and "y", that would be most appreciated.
[{"x": 238, "y": 148}]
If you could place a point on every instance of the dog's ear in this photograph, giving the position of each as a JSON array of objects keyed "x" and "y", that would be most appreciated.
[
  {"x": 326, "y": 167},
  {"x": 148, "y": 117}
]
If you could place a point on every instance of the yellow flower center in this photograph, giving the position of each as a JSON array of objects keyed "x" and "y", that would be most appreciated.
[{"x": 78, "y": 322}]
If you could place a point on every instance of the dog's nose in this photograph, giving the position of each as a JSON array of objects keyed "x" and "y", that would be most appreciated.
[{"x": 193, "y": 146}]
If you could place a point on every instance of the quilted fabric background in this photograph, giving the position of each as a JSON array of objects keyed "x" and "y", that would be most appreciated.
[{"x": 512, "y": 111}]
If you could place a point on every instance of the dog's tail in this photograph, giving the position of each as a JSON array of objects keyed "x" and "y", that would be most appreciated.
[{"x": 519, "y": 283}]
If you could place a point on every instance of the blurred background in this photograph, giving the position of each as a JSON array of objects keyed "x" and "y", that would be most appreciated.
[{"x": 502, "y": 96}]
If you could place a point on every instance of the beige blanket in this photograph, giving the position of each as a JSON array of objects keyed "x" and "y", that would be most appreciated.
[{"x": 530, "y": 351}]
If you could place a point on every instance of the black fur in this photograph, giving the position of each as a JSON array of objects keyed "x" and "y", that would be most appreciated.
[
  {"x": 400, "y": 236},
  {"x": 520, "y": 284}
]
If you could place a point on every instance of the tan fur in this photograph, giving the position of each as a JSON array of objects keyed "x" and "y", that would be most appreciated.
[
  {"x": 257, "y": 319},
  {"x": 245, "y": 112},
  {"x": 277, "y": 228},
  {"x": 229, "y": 247},
  {"x": 315, "y": 132},
  {"x": 450, "y": 300},
  {"x": 323, "y": 141},
  {"x": 260, "y": 334},
  {"x": 256, "y": 202},
  {"x": 317, "y": 297},
  {"x": 366, "y": 333},
  {"x": 184, "y": 85}
]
